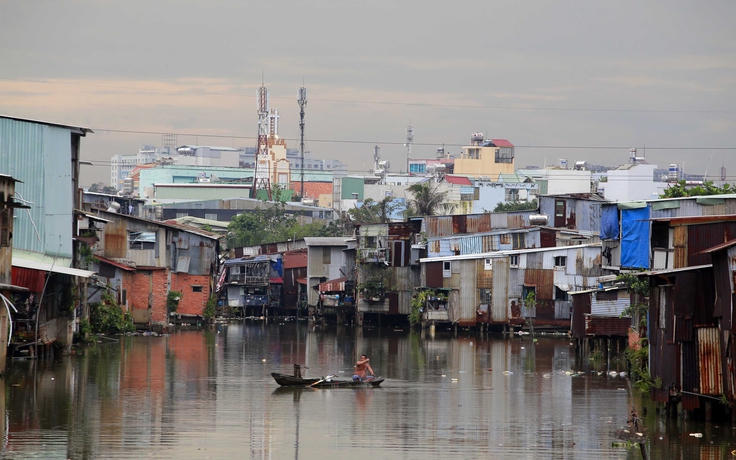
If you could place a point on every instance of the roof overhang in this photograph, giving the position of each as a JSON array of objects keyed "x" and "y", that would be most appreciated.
[{"x": 34, "y": 265}]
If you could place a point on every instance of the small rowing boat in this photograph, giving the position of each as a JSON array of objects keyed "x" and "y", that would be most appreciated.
[{"x": 286, "y": 380}]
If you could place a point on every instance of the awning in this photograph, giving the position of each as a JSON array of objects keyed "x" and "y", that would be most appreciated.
[
  {"x": 33, "y": 265},
  {"x": 278, "y": 280},
  {"x": 12, "y": 287},
  {"x": 115, "y": 264},
  {"x": 335, "y": 285},
  {"x": 301, "y": 281},
  {"x": 563, "y": 287}
]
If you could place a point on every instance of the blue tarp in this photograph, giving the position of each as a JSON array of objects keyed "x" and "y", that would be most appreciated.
[
  {"x": 609, "y": 223},
  {"x": 635, "y": 238}
]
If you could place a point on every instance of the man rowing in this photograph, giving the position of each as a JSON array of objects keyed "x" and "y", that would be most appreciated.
[{"x": 362, "y": 367}]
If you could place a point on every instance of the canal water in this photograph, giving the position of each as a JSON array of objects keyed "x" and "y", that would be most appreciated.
[{"x": 209, "y": 395}]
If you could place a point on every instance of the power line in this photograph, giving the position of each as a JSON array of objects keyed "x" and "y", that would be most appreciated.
[
  {"x": 426, "y": 144},
  {"x": 389, "y": 103}
]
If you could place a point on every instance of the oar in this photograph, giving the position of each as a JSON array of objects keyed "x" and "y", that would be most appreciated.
[{"x": 322, "y": 380}]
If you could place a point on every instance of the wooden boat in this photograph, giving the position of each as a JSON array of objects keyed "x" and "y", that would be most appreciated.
[{"x": 286, "y": 380}]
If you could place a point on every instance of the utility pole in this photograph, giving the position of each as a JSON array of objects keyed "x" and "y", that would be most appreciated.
[{"x": 301, "y": 98}]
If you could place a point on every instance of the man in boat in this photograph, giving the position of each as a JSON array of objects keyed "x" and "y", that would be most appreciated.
[{"x": 362, "y": 367}]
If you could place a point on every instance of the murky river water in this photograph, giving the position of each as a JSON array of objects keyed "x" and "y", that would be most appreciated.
[{"x": 209, "y": 394}]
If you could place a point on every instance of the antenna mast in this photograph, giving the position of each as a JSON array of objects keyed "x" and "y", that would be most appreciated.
[
  {"x": 262, "y": 173},
  {"x": 409, "y": 141},
  {"x": 301, "y": 98}
]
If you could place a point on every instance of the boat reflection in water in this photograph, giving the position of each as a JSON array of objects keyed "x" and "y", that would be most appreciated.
[{"x": 201, "y": 394}]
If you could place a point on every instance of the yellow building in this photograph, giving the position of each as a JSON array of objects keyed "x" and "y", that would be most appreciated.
[{"x": 488, "y": 158}]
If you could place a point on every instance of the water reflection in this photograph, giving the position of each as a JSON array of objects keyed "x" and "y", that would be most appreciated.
[{"x": 209, "y": 394}]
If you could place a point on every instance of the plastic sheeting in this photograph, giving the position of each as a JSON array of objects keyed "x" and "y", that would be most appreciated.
[
  {"x": 635, "y": 238},
  {"x": 609, "y": 223}
]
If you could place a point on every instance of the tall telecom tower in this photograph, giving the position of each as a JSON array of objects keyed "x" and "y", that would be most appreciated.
[
  {"x": 262, "y": 173},
  {"x": 301, "y": 99},
  {"x": 409, "y": 141}
]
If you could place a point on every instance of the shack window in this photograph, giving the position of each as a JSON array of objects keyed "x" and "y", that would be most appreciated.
[
  {"x": 142, "y": 240},
  {"x": 514, "y": 261},
  {"x": 518, "y": 240},
  {"x": 488, "y": 264},
  {"x": 484, "y": 295},
  {"x": 560, "y": 261},
  {"x": 560, "y": 294},
  {"x": 326, "y": 256},
  {"x": 446, "y": 269},
  {"x": 196, "y": 288}
]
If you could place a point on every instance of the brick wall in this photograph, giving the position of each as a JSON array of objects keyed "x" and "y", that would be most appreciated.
[
  {"x": 147, "y": 290},
  {"x": 195, "y": 290},
  {"x": 312, "y": 189}
]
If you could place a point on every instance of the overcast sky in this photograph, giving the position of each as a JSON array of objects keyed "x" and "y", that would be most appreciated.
[{"x": 538, "y": 73}]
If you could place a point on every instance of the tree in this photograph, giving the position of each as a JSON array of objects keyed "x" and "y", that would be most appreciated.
[
  {"x": 427, "y": 200},
  {"x": 680, "y": 189},
  {"x": 273, "y": 224},
  {"x": 100, "y": 187},
  {"x": 516, "y": 206},
  {"x": 374, "y": 212}
]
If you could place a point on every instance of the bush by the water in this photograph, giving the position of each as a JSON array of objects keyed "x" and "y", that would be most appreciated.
[{"x": 108, "y": 318}]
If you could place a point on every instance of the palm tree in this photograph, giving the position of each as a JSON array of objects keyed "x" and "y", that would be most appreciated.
[{"x": 427, "y": 200}]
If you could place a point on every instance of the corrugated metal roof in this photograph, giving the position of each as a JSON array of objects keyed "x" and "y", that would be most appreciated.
[
  {"x": 326, "y": 241},
  {"x": 502, "y": 143},
  {"x": 458, "y": 180},
  {"x": 33, "y": 265},
  {"x": 510, "y": 253},
  {"x": 671, "y": 270},
  {"x": 78, "y": 129},
  {"x": 689, "y": 220},
  {"x": 169, "y": 224}
]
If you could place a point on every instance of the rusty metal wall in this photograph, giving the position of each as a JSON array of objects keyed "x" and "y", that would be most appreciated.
[
  {"x": 295, "y": 259},
  {"x": 478, "y": 223},
  {"x": 484, "y": 278},
  {"x": 690, "y": 375},
  {"x": 543, "y": 280},
  {"x": 500, "y": 293},
  {"x": 679, "y": 241},
  {"x": 438, "y": 226},
  {"x": 701, "y": 237},
  {"x": 499, "y": 220},
  {"x": 709, "y": 361},
  {"x": 29, "y": 278},
  {"x": 562, "y": 309},
  {"x": 606, "y": 326},
  {"x": 433, "y": 274}
]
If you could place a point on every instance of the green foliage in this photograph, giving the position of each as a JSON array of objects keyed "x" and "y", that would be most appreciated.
[
  {"x": 209, "y": 308},
  {"x": 427, "y": 201},
  {"x": 374, "y": 212},
  {"x": 516, "y": 206},
  {"x": 68, "y": 298},
  {"x": 680, "y": 189},
  {"x": 172, "y": 300},
  {"x": 109, "y": 319},
  {"x": 640, "y": 375},
  {"x": 100, "y": 187},
  {"x": 418, "y": 301},
  {"x": 270, "y": 225},
  {"x": 531, "y": 299},
  {"x": 635, "y": 284},
  {"x": 376, "y": 283}
]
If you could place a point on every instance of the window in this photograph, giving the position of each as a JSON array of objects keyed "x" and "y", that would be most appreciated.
[
  {"x": 517, "y": 240},
  {"x": 484, "y": 295},
  {"x": 181, "y": 214},
  {"x": 210, "y": 216},
  {"x": 488, "y": 264},
  {"x": 560, "y": 261},
  {"x": 505, "y": 155},
  {"x": 560, "y": 294},
  {"x": 326, "y": 256},
  {"x": 514, "y": 261},
  {"x": 142, "y": 240},
  {"x": 196, "y": 288},
  {"x": 447, "y": 269}
]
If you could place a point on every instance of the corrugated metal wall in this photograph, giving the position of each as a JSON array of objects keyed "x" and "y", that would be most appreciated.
[
  {"x": 500, "y": 294},
  {"x": 40, "y": 156},
  {"x": 701, "y": 237},
  {"x": 468, "y": 292},
  {"x": 709, "y": 361},
  {"x": 609, "y": 307}
]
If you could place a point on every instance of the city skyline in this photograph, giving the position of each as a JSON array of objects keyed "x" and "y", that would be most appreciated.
[{"x": 542, "y": 75}]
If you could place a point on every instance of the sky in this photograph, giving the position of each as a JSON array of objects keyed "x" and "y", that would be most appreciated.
[{"x": 580, "y": 80}]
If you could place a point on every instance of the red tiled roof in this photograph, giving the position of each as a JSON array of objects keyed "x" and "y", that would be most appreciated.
[
  {"x": 502, "y": 143},
  {"x": 458, "y": 180}
]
